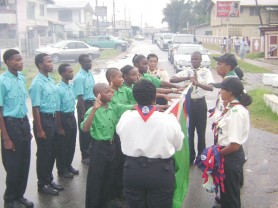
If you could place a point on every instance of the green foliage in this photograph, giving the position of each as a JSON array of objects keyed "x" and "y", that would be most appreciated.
[
  {"x": 179, "y": 13},
  {"x": 255, "y": 55},
  {"x": 261, "y": 116}
]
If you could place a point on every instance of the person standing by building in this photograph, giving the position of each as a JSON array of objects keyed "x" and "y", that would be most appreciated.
[
  {"x": 242, "y": 50},
  {"x": 83, "y": 84},
  {"x": 15, "y": 130},
  {"x": 237, "y": 45},
  {"x": 67, "y": 128},
  {"x": 149, "y": 139},
  {"x": 43, "y": 97},
  {"x": 229, "y": 44},
  {"x": 202, "y": 80}
]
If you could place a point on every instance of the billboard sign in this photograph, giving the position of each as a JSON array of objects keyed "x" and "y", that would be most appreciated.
[
  {"x": 101, "y": 11},
  {"x": 227, "y": 8}
]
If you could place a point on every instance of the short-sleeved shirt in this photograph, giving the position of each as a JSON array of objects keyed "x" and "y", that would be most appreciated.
[
  {"x": 160, "y": 74},
  {"x": 105, "y": 120},
  {"x": 234, "y": 125},
  {"x": 130, "y": 87},
  {"x": 65, "y": 97},
  {"x": 204, "y": 76},
  {"x": 13, "y": 95},
  {"x": 152, "y": 79},
  {"x": 83, "y": 84},
  {"x": 124, "y": 96},
  {"x": 43, "y": 93}
]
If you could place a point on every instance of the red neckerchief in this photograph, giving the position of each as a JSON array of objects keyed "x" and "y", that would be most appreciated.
[{"x": 145, "y": 111}]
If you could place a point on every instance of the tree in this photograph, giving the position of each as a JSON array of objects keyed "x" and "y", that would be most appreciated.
[{"x": 178, "y": 14}]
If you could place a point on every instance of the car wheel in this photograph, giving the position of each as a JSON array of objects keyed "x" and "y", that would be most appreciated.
[
  {"x": 119, "y": 48},
  {"x": 55, "y": 58},
  {"x": 92, "y": 56}
]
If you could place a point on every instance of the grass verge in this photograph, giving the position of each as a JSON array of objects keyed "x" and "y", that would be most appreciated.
[
  {"x": 261, "y": 116},
  {"x": 108, "y": 53},
  {"x": 255, "y": 55}
]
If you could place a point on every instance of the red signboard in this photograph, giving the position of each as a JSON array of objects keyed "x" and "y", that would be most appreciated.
[{"x": 227, "y": 8}]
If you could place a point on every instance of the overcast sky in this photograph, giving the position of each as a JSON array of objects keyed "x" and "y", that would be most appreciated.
[{"x": 151, "y": 10}]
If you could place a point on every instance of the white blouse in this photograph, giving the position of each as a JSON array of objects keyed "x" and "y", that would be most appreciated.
[
  {"x": 159, "y": 137},
  {"x": 234, "y": 126}
]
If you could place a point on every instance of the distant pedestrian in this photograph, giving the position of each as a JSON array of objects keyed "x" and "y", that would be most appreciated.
[
  {"x": 83, "y": 84},
  {"x": 224, "y": 45},
  {"x": 243, "y": 45},
  {"x": 15, "y": 130},
  {"x": 237, "y": 45},
  {"x": 66, "y": 122},
  {"x": 43, "y": 97}
]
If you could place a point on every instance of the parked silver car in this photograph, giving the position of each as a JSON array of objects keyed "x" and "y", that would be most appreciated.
[
  {"x": 69, "y": 50},
  {"x": 182, "y": 57}
]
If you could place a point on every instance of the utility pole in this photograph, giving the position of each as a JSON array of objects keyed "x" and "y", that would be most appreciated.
[
  {"x": 97, "y": 19},
  {"x": 114, "y": 18}
]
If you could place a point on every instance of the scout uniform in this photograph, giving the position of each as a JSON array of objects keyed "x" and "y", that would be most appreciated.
[
  {"x": 83, "y": 86},
  {"x": 13, "y": 95},
  {"x": 66, "y": 106},
  {"x": 43, "y": 95},
  {"x": 156, "y": 82},
  {"x": 101, "y": 173},
  {"x": 197, "y": 108},
  {"x": 233, "y": 127},
  {"x": 160, "y": 74}
]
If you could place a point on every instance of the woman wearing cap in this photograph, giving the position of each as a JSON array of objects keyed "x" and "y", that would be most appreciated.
[{"x": 232, "y": 129}]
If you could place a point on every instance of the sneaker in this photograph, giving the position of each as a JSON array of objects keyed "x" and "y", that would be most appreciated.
[
  {"x": 27, "y": 203},
  {"x": 66, "y": 175},
  {"x": 73, "y": 171},
  {"x": 56, "y": 186},
  {"x": 48, "y": 190}
]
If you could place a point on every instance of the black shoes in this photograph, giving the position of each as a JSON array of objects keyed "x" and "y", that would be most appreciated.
[
  {"x": 66, "y": 175},
  {"x": 73, "y": 171},
  {"x": 56, "y": 186},
  {"x": 48, "y": 190},
  {"x": 27, "y": 203}
]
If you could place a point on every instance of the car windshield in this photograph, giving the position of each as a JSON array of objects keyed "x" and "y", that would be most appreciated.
[
  {"x": 168, "y": 36},
  {"x": 183, "y": 39},
  {"x": 59, "y": 44},
  {"x": 190, "y": 50}
]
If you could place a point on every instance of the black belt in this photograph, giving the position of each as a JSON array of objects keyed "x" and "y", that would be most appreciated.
[
  {"x": 70, "y": 114},
  {"x": 197, "y": 99},
  {"x": 8, "y": 118},
  {"x": 48, "y": 115},
  {"x": 111, "y": 141},
  {"x": 146, "y": 159}
]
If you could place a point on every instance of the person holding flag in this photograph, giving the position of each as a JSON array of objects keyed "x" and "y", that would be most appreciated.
[{"x": 149, "y": 139}]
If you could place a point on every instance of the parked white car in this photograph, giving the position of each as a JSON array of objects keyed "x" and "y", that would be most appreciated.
[
  {"x": 164, "y": 40},
  {"x": 182, "y": 57},
  {"x": 69, "y": 50}
]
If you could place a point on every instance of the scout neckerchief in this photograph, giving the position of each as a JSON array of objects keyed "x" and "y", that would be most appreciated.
[
  {"x": 215, "y": 128},
  {"x": 145, "y": 111}
]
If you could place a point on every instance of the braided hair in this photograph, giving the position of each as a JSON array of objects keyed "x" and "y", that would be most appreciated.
[{"x": 144, "y": 92}]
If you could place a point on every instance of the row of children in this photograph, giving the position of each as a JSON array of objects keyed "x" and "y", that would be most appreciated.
[{"x": 54, "y": 120}]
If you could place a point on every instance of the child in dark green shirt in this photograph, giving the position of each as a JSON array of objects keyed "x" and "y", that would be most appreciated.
[{"x": 100, "y": 121}]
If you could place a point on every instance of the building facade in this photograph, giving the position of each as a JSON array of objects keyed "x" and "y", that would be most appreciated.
[{"x": 248, "y": 22}]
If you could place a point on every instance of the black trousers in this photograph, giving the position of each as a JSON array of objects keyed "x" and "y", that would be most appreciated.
[
  {"x": 198, "y": 121},
  {"x": 66, "y": 144},
  {"x": 149, "y": 183},
  {"x": 233, "y": 167},
  {"x": 16, "y": 163},
  {"x": 100, "y": 187},
  {"x": 46, "y": 149},
  {"x": 84, "y": 138}
]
